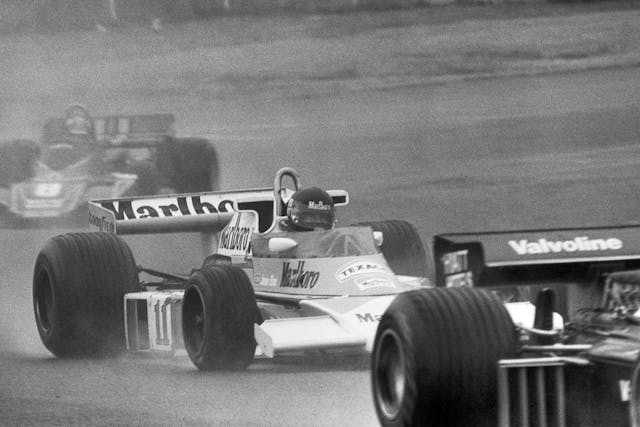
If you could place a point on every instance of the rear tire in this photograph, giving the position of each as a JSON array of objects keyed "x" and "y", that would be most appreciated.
[
  {"x": 435, "y": 356},
  {"x": 219, "y": 310},
  {"x": 402, "y": 247},
  {"x": 192, "y": 165},
  {"x": 17, "y": 160},
  {"x": 148, "y": 182},
  {"x": 79, "y": 283}
]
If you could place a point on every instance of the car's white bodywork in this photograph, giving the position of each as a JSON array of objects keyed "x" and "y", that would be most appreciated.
[{"x": 312, "y": 295}]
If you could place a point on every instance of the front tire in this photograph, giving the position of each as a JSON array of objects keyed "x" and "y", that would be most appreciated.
[
  {"x": 435, "y": 356},
  {"x": 219, "y": 310},
  {"x": 79, "y": 283}
]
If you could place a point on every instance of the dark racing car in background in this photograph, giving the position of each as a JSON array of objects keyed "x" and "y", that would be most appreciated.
[{"x": 80, "y": 157}]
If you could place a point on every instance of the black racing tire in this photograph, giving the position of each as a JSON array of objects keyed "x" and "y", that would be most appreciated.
[
  {"x": 79, "y": 282},
  {"x": 402, "y": 247},
  {"x": 435, "y": 354},
  {"x": 219, "y": 310},
  {"x": 191, "y": 165},
  {"x": 17, "y": 160},
  {"x": 148, "y": 182}
]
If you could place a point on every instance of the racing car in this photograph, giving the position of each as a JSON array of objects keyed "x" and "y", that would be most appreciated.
[
  {"x": 278, "y": 274},
  {"x": 80, "y": 158},
  {"x": 453, "y": 356}
]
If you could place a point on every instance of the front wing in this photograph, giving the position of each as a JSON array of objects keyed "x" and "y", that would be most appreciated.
[{"x": 153, "y": 324}]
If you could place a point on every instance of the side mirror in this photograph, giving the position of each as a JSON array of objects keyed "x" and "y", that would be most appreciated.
[
  {"x": 378, "y": 237},
  {"x": 281, "y": 244}
]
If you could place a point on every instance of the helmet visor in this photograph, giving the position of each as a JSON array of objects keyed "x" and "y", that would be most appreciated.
[{"x": 313, "y": 218}]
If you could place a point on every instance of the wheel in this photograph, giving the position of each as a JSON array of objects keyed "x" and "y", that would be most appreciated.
[
  {"x": 148, "y": 182},
  {"x": 79, "y": 282},
  {"x": 435, "y": 354},
  {"x": 218, "y": 313},
  {"x": 402, "y": 247},
  {"x": 17, "y": 160},
  {"x": 192, "y": 164}
]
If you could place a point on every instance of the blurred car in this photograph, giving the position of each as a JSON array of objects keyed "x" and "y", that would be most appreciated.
[{"x": 81, "y": 157}]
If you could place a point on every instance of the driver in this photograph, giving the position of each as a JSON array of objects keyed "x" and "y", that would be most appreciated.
[
  {"x": 68, "y": 140},
  {"x": 310, "y": 209},
  {"x": 79, "y": 125},
  {"x": 81, "y": 136}
]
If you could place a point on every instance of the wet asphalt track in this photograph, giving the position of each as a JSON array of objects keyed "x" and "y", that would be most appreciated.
[{"x": 492, "y": 154}]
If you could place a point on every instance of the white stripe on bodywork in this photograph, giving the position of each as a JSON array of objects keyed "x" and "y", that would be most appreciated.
[
  {"x": 303, "y": 333},
  {"x": 346, "y": 323}
]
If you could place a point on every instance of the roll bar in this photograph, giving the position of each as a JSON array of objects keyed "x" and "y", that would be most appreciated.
[{"x": 278, "y": 189}]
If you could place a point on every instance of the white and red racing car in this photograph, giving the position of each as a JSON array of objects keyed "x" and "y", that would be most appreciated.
[{"x": 286, "y": 290}]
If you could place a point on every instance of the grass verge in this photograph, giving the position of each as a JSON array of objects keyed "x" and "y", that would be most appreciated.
[{"x": 305, "y": 54}]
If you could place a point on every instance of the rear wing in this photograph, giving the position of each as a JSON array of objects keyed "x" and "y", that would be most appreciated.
[
  {"x": 134, "y": 129},
  {"x": 555, "y": 258},
  {"x": 138, "y": 130},
  {"x": 198, "y": 212},
  {"x": 207, "y": 212}
]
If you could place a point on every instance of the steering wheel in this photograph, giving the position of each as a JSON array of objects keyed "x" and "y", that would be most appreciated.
[{"x": 279, "y": 191}]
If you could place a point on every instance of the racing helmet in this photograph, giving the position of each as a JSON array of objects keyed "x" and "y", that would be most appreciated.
[
  {"x": 310, "y": 209},
  {"x": 78, "y": 121}
]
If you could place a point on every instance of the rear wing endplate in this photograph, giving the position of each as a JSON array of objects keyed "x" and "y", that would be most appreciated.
[{"x": 197, "y": 212}]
